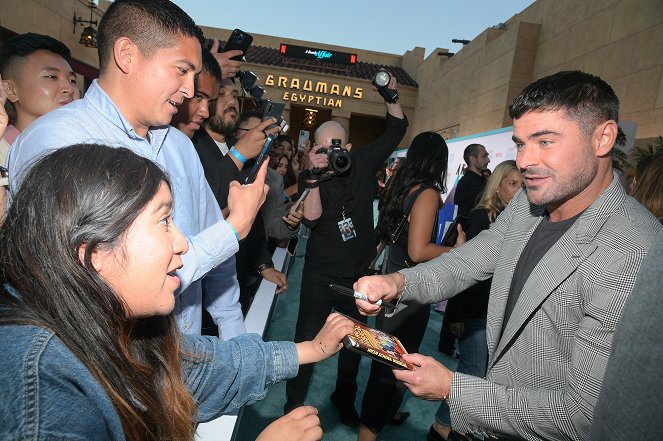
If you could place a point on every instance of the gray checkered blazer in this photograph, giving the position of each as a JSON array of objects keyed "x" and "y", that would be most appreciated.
[{"x": 545, "y": 373}]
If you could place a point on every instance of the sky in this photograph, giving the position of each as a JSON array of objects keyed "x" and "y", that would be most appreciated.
[{"x": 383, "y": 26}]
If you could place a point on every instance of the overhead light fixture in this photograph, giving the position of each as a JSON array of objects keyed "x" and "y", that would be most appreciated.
[
  {"x": 89, "y": 35},
  {"x": 311, "y": 119}
]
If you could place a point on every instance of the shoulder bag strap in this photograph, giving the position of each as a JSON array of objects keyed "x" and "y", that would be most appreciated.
[{"x": 412, "y": 198}]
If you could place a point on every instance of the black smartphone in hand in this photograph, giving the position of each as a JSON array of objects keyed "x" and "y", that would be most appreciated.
[
  {"x": 259, "y": 160},
  {"x": 449, "y": 239},
  {"x": 238, "y": 40},
  {"x": 273, "y": 110}
]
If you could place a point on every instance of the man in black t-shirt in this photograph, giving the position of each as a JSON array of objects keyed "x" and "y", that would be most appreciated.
[
  {"x": 341, "y": 246},
  {"x": 470, "y": 186}
]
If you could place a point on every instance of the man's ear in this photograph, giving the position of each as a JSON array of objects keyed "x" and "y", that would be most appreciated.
[
  {"x": 124, "y": 54},
  {"x": 604, "y": 137},
  {"x": 348, "y": 147},
  {"x": 10, "y": 88}
]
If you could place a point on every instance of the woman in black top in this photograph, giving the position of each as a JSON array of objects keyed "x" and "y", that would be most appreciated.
[{"x": 407, "y": 223}]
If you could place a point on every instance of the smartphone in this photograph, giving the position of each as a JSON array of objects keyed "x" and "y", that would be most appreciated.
[
  {"x": 238, "y": 40},
  {"x": 301, "y": 199},
  {"x": 450, "y": 236},
  {"x": 261, "y": 157},
  {"x": 303, "y": 139},
  {"x": 273, "y": 110}
]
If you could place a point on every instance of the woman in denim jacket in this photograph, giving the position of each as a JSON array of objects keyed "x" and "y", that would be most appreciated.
[{"x": 89, "y": 348}]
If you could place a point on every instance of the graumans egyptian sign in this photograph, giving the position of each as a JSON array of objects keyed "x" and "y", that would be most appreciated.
[{"x": 299, "y": 91}]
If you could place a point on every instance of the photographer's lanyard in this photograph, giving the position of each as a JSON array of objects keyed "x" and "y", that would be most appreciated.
[
  {"x": 345, "y": 226},
  {"x": 338, "y": 187}
]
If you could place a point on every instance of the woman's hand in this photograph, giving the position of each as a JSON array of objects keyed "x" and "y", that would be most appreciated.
[
  {"x": 301, "y": 424},
  {"x": 462, "y": 238},
  {"x": 328, "y": 341}
]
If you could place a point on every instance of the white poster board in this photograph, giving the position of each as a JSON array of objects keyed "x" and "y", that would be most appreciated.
[{"x": 499, "y": 146}]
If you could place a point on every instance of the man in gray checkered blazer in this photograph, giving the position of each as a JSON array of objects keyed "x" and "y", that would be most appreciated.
[{"x": 563, "y": 255}]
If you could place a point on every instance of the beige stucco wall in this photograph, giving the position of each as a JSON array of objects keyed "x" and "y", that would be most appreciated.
[
  {"x": 51, "y": 17},
  {"x": 618, "y": 40},
  {"x": 371, "y": 102}
]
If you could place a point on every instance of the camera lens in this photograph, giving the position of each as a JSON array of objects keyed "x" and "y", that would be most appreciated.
[{"x": 341, "y": 162}]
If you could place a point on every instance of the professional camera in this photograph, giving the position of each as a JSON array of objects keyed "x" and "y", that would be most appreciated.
[
  {"x": 381, "y": 81},
  {"x": 339, "y": 158}
]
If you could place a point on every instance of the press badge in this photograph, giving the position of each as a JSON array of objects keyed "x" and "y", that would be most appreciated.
[{"x": 347, "y": 229}]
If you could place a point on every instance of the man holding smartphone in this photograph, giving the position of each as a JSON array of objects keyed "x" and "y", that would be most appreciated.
[{"x": 339, "y": 211}]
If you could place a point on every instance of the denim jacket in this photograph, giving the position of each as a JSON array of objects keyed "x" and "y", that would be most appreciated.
[{"x": 47, "y": 393}]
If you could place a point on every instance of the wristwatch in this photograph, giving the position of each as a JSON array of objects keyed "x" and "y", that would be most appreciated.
[{"x": 264, "y": 266}]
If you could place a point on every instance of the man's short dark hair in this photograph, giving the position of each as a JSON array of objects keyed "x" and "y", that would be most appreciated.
[
  {"x": 211, "y": 66},
  {"x": 248, "y": 114},
  {"x": 587, "y": 99},
  {"x": 20, "y": 46},
  {"x": 151, "y": 24},
  {"x": 471, "y": 150}
]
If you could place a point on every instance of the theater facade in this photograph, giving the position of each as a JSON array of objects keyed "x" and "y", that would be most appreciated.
[{"x": 455, "y": 95}]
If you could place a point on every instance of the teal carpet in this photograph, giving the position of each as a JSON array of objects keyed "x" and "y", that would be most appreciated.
[{"x": 282, "y": 327}]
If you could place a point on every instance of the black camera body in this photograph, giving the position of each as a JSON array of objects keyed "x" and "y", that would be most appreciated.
[{"x": 338, "y": 157}]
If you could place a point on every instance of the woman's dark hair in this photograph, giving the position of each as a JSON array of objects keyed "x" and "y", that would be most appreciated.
[
  {"x": 425, "y": 164},
  {"x": 71, "y": 202}
]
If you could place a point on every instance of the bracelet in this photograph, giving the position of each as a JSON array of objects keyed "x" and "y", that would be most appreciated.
[
  {"x": 314, "y": 184},
  {"x": 265, "y": 266},
  {"x": 238, "y": 155},
  {"x": 233, "y": 230}
]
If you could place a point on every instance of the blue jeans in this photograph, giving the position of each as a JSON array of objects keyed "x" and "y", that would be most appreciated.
[{"x": 473, "y": 359}]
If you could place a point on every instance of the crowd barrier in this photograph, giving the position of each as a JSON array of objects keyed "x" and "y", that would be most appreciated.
[{"x": 260, "y": 313}]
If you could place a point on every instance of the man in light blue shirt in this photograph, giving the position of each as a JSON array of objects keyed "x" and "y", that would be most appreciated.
[{"x": 144, "y": 76}]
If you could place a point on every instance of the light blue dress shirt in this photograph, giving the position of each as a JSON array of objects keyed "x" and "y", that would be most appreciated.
[{"x": 212, "y": 242}]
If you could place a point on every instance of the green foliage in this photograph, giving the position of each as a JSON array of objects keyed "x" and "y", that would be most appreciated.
[
  {"x": 622, "y": 162},
  {"x": 649, "y": 149}
]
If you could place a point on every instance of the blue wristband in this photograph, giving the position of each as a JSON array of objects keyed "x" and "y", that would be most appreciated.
[
  {"x": 239, "y": 156},
  {"x": 233, "y": 230}
]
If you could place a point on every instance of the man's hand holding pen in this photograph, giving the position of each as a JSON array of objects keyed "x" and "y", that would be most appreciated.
[
  {"x": 383, "y": 287},
  {"x": 360, "y": 295}
]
